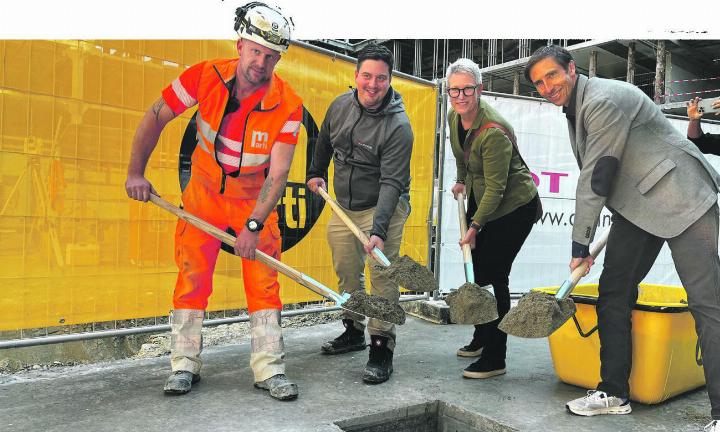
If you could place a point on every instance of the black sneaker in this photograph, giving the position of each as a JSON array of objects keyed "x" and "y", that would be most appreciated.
[
  {"x": 379, "y": 367},
  {"x": 473, "y": 349},
  {"x": 485, "y": 368},
  {"x": 352, "y": 339}
]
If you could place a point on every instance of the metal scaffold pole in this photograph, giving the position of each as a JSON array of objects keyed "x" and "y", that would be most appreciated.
[
  {"x": 440, "y": 161},
  {"x": 659, "y": 95}
]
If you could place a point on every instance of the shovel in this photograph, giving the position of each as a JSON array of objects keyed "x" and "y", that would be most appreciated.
[
  {"x": 470, "y": 304},
  {"x": 352, "y": 303},
  {"x": 538, "y": 315},
  {"x": 404, "y": 271},
  {"x": 467, "y": 253}
]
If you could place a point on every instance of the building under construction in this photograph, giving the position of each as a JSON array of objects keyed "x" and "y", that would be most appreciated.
[{"x": 684, "y": 68}]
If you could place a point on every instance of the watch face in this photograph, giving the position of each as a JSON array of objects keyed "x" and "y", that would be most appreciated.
[{"x": 252, "y": 225}]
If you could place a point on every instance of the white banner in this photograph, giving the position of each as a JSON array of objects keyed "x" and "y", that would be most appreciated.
[{"x": 542, "y": 135}]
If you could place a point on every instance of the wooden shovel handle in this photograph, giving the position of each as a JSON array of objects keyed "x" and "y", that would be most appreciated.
[
  {"x": 229, "y": 239},
  {"x": 467, "y": 254},
  {"x": 595, "y": 249},
  {"x": 376, "y": 253}
]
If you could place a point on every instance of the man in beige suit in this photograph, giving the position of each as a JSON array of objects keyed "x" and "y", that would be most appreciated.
[{"x": 660, "y": 189}]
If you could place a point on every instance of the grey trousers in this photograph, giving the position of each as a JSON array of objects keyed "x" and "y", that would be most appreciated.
[
  {"x": 630, "y": 254},
  {"x": 349, "y": 262}
]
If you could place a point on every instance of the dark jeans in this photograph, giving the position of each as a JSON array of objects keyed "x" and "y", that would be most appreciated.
[
  {"x": 496, "y": 247},
  {"x": 630, "y": 254}
]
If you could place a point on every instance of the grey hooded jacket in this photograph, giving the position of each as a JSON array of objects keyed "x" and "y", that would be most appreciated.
[{"x": 371, "y": 150}]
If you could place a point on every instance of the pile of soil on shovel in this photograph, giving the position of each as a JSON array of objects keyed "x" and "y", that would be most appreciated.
[
  {"x": 537, "y": 315},
  {"x": 375, "y": 307},
  {"x": 410, "y": 275},
  {"x": 472, "y": 304}
]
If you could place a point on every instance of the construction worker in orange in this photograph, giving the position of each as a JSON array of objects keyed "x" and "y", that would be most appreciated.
[{"x": 248, "y": 120}]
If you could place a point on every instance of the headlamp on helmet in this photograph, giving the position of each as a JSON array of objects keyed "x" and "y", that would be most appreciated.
[{"x": 264, "y": 25}]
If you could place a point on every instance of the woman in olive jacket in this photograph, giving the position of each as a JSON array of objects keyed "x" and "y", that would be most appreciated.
[{"x": 503, "y": 203}]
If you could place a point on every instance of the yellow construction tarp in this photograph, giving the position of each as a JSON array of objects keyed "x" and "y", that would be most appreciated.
[{"x": 74, "y": 249}]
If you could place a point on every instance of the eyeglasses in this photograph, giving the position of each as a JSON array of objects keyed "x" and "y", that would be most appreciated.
[{"x": 467, "y": 91}]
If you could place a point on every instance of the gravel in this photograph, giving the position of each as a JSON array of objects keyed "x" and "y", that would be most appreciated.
[
  {"x": 410, "y": 275},
  {"x": 472, "y": 304},
  {"x": 537, "y": 315},
  {"x": 375, "y": 307}
]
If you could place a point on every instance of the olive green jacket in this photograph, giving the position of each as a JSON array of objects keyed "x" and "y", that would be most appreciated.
[{"x": 494, "y": 174}]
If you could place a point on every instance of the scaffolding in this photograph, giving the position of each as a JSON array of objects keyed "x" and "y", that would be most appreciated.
[{"x": 662, "y": 69}]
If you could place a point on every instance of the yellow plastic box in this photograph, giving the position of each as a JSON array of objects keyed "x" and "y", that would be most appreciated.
[{"x": 666, "y": 357}]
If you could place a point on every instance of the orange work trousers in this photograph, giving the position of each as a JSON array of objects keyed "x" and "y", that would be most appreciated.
[{"x": 196, "y": 252}]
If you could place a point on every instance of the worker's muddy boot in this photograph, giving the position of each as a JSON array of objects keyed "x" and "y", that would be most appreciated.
[
  {"x": 379, "y": 367},
  {"x": 267, "y": 359},
  {"x": 352, "y": 339},
  {"x": 180, "y": 382},
  {"x": 185, "y": 349},
  {"x": 279, "y": 386}
]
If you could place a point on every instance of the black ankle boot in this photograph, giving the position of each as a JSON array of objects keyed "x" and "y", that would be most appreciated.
[
  {"x": 475, "y": 347},
  {"x": 379, "y": 366},
  {"x": 485, "y": 368},
  {"x": 352, "y": 339}
]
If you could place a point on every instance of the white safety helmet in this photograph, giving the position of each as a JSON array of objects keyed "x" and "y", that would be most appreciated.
[{"x": 264, "y": 25}]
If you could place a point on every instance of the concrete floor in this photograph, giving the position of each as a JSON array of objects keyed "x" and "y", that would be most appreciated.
[{"x": 127, "y": 395}]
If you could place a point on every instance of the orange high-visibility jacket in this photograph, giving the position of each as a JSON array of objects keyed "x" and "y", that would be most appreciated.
[{"x": 265, "y": 124}]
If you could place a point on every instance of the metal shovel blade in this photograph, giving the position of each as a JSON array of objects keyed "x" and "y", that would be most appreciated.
[
  {"x": 404, "y": 271},
  {"x": 470, "y": 303},
  {"x": 537, "y": 314}
]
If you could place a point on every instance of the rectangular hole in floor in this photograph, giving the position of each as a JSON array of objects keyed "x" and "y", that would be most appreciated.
[{"x": 436, "y": 416}]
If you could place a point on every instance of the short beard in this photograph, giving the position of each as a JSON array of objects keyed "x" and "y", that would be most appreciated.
[{"x": 249, "y": 79}]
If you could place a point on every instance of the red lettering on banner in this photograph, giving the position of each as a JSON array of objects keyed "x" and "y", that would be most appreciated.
[{"x": 554, "y": 179}]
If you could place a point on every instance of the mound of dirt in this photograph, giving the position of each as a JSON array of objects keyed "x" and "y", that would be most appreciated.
[
  {"x": 472, "y": 304},
  {"x": 537, "y": 315},
  {"x": 375, "y": 307}
]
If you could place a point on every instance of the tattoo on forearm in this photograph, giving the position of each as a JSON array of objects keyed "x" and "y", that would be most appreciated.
[
  {"x": 157, "y": 107},
  {"x": 265, "y": 189}
]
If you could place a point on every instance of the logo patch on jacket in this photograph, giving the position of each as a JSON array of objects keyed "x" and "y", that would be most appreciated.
[
  {"x": 259, "y": 139},
  {"x": 365, "y": 146}
]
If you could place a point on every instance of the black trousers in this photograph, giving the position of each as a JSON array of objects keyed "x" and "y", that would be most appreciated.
[{"x": 496, "y": 247}]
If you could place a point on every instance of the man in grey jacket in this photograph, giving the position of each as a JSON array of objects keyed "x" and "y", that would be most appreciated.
[
  {"x": 367, "y": 134},
  {"x": 660, "y": 189}
]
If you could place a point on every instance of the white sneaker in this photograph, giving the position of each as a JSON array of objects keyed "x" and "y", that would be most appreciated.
[
  {"x": 713, "y": 426},
  {"x": 597, "y": 402}
]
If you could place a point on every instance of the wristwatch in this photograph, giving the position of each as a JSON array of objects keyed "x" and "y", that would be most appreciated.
[
  {"x": 254, "y": 225},
  {"x": 475, "y": 225}
]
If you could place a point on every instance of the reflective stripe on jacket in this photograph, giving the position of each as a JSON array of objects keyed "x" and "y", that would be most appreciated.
[{"x": 202, "y": 84}]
